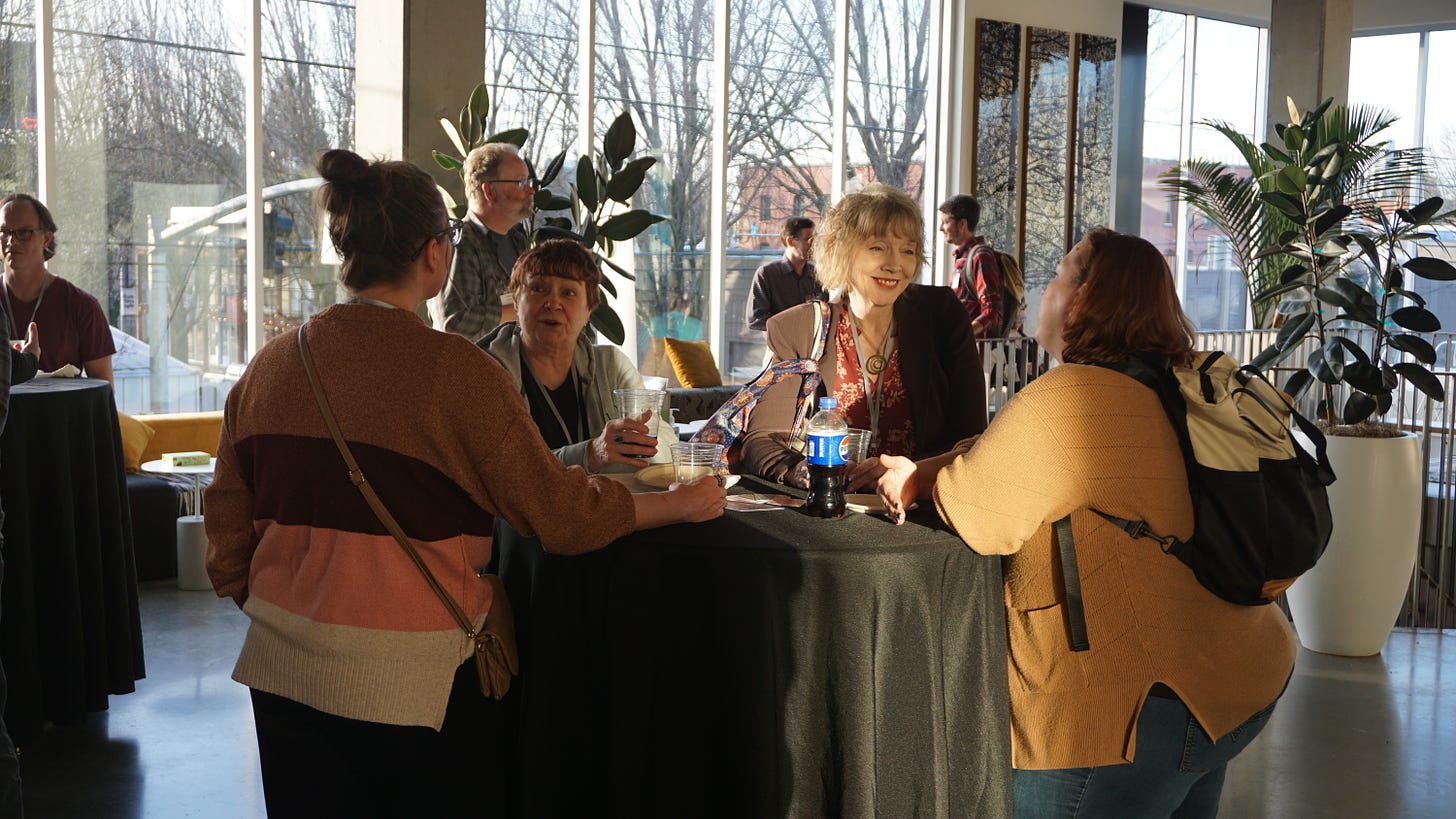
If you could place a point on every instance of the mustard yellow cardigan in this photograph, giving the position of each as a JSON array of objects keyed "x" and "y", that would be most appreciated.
[{"x": 1082, "y": 437}]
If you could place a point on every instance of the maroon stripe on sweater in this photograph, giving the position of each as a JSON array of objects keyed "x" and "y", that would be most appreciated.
[{"x": 302, "y": 481}]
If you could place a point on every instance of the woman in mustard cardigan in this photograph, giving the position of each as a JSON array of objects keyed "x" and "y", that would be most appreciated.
[{"x": 1177, "y": 681}]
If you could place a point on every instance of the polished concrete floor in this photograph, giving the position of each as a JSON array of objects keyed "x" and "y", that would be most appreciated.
[{"x": 1370, "y": 737}]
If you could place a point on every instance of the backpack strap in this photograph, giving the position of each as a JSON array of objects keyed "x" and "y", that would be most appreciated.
[
  {"x": 1071, "y": 584},
  {"x": 1319, "y": 462}
]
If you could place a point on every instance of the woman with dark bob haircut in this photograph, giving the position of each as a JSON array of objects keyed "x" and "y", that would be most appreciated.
[
  {"x": 565, "y": 379},
  {"x": 1177, "y": 681},
  {"x": 364, "y": 690}
]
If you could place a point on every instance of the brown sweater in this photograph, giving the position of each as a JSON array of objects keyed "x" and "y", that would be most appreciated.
[
  {"x": 342, "y": 620},
  {"x": 1082, "y": 437}
]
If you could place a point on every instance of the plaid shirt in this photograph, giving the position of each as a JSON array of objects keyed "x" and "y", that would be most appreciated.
[
  {"x": 979, "y": 292},
  {"x": 469, "y": 303}
]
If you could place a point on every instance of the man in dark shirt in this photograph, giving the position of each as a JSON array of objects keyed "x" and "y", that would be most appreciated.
[{"x": 783, "y": 283}]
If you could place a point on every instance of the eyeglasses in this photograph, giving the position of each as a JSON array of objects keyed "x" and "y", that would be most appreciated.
[
  {"x": 454, "y": 228},
  {"x": 21, "y": 235},
  {"x": 521, "y": 184}
]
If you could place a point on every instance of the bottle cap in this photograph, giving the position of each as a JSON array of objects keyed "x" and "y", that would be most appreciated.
[{"x": 828, "y": 402}]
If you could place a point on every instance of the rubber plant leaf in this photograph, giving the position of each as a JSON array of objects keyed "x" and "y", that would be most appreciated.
[
  {"x": 620, "y": 140},
  {"x": 1422, "y": 379},
  {"x": 1418, "y": 347},
  {"x": 1429, "y": 267},
  {"x": 1418, "y": 319}
]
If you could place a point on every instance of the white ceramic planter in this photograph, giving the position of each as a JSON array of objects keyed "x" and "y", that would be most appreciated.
[{"x": 1348, "y": 603}]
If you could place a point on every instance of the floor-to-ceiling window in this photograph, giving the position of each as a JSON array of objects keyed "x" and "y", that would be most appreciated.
[
  {"x": 148, "y": 175},
  {"x": 308, "y": 107},
  {"x": 656, "y": 60},
  {"x": 1407, "y": 75},
  {"x": 779, "y": 153},
  {"x": 17, "y": 96},
  {"x": 148, "y": 134},
  {"x": 1198, "y": 70}
]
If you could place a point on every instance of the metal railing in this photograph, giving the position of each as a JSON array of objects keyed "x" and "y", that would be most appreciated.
[{"x": 1010, "y": 364}]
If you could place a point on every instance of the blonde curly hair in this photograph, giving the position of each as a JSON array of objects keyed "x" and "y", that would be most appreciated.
[{"x": 876, "y": 211}]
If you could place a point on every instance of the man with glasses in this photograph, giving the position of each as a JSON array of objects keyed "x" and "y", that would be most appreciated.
[
  {"x": 68, "y": 321},
  {"x": 498, "y": 188}
]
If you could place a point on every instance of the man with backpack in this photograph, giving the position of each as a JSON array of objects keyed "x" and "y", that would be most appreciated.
[{"x": 976, "y": 279}]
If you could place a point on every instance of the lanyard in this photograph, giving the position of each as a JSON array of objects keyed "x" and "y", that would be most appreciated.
[
  {"x": 550, "y": 404},
  {"x": 16, "y": 328},
  {"x": 876, "y": 363}
]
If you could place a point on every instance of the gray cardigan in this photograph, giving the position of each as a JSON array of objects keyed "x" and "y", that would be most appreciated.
[{"x": 601, "y": 368}]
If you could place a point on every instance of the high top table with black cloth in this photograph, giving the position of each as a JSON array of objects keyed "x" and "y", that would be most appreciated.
[
  {"x": 70, "y": 629},
  {"x": 763, "y": 664}
]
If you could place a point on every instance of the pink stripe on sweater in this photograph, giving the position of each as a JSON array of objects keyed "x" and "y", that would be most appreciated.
[{"x": 368, "y": 581}]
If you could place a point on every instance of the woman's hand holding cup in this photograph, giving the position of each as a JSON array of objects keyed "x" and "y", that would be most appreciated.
[
  {"x": 623, "y": 441},
  {"x": 703, "y": 499}
]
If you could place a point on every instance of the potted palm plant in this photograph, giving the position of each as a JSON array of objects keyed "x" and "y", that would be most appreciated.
[
  {"x": 597, "y": 199},
  {"x": 1324, "y": 231}
]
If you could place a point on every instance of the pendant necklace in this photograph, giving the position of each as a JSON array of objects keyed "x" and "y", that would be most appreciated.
[{"x": 874, "y": 365}]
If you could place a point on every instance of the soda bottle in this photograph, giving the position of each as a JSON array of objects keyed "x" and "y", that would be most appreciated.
[{"x": 826, "y": 433}]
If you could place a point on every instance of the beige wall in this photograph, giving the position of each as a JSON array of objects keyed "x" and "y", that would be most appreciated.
[
  {"x": 1370, "y": 15},
  {"x": 1102, "y": 17}
]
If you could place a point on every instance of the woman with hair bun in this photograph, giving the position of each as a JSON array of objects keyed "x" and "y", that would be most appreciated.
[
  {"x": 364, "y": 688},
  {"x": 1176, "y": 681}
]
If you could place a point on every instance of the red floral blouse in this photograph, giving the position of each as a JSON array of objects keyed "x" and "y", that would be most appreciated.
[{"x": 896, "y": 435}]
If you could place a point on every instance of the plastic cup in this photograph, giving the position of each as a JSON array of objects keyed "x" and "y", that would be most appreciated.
[
  {"x": 856, "y": 446},
  {"x": 691, "y": 461},
  {"x": 632, "y": 403}
]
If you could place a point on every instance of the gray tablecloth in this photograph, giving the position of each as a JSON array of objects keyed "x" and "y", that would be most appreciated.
[{"x": 765, "y": 664}]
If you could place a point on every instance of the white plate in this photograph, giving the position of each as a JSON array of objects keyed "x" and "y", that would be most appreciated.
[{"x": 661, "y": 476}]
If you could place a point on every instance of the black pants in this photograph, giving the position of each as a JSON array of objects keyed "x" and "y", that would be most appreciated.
[{"x": 321, "y": 765}]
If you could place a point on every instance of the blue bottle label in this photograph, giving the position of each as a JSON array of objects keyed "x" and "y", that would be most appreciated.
[{"x": 825, "y": 450}]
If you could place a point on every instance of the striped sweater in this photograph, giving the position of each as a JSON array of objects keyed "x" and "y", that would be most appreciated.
[
  {"x": 342, "y": 621},
  {"x": 1083, "y": 436}
]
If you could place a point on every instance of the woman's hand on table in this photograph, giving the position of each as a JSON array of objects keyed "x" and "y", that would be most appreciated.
[
  {"x": 703, "y": 499},
  {"x": 623, "y": 441},
  {"x": 863, "y": 475},
  {"x": 898, "y": 485},
  {"x": 798, "y": 475}
]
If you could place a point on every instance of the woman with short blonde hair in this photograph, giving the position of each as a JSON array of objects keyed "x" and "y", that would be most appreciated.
[{"x": 900, "y": 357}]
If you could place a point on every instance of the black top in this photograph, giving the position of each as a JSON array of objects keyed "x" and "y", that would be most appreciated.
[{"x": 568, "y": 401}]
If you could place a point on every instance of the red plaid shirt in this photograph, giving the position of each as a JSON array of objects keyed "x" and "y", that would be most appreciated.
[{"x": 980, "y": 291}]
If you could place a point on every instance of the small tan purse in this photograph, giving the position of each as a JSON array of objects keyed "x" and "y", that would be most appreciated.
[{"x": 496, "y": 660}]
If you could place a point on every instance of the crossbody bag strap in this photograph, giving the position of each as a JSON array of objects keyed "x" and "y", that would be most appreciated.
[
  {"x": 1071, "y": 584},
  {"x": 356, "y": 477}
]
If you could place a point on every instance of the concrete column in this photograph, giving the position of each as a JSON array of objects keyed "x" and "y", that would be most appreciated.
[
  {"x": 1309, "y": 54},
  {"x": 416, "y": 62}
]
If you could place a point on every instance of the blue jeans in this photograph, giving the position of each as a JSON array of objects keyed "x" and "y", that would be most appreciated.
[{"x": 1177, "y": 771}]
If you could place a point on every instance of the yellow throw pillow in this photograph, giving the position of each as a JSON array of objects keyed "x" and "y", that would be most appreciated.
[
  {"x": 135, "y": 436},
  {"x": 692, "y": 362}
]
